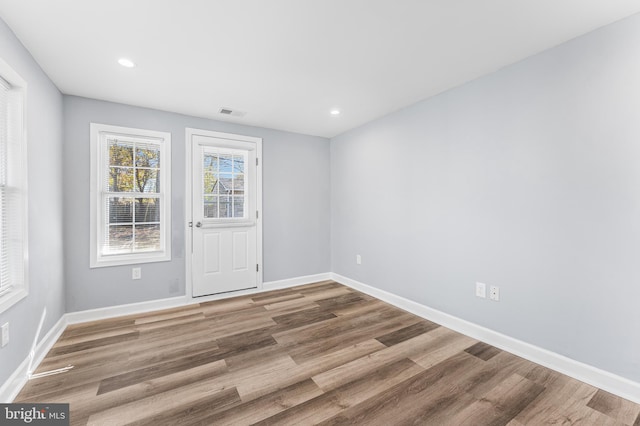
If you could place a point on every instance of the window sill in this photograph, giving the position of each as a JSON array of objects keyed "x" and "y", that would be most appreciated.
[
  {"x": 8, "y": 300},
  {"x": 129, "y": 259}
]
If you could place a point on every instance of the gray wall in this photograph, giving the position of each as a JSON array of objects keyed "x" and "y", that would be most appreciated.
[
  {"x": 528, "y": 179},
  {"x": 296, "y": 212},
  {"x": 44, "y": 140}
]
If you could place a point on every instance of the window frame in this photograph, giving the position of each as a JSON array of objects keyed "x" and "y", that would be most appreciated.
[
  {"x": 18, "y": 88},
  {"x": 99, "y": 134}
]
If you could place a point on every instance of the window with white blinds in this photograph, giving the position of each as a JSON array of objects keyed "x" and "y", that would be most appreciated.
[
  {"x": 13, "y": 240},
  {"x": 130, "y": 196}
]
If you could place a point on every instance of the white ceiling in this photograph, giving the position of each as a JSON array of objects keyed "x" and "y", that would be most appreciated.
[{"x": 287, "y": 63}]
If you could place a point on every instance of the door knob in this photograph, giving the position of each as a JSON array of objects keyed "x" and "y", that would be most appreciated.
[{"x": 199, "y": 225}]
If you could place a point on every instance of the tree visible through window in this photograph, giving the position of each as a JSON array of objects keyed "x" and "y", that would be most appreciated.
[
  {"x": 133, "y": 197},
  {"x": 133, "y": 211}
]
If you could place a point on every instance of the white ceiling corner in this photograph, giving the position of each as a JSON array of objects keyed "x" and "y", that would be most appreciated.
[{"x": 287, "y": 63}]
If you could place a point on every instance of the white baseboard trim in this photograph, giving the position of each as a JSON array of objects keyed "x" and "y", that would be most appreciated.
[
  {"x": 13, "y": 385},
  {"x": 605, "y": 380},
  {"x": 173, "y": 302},
  {"x": 129, "y": 309},
  {"x": 609, "y": 382},
  {"x": 292, "y": 282},
  {"x": 266, "y": 286}
]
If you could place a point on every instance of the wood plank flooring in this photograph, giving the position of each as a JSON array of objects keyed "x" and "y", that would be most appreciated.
[{"x": 314, "y": 354}]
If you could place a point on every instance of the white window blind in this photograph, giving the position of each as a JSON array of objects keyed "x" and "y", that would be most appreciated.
[
  {"x": 131, "y": 197},
  {"x": 12, "y": 191},
  {"x": 5, "y": 283}
]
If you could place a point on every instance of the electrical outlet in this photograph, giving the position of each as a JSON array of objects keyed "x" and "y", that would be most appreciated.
[
  {"x": 494, "y": 293},
  {"x": 5, "y": 334},
  {"x": 358, "y": 259},
  {"x": 481, "y": 290},
  {"x": 136, "y": 273}
]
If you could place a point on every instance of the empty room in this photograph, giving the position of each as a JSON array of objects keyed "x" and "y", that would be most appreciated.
[{"x": 298, "y": 212}]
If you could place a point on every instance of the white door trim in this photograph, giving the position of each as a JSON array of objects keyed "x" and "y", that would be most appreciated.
[{"x": 188, "y": 249}]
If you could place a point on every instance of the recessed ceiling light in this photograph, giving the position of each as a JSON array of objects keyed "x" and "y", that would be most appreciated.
[
  {"x": 128, "y": 63},
  {"x": 335, "y": 112}
]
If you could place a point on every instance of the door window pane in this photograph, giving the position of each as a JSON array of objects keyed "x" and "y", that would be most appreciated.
[
  {"x": 238, "y": 206},
  {"x": 238, "y": 184},
  {"x": 210, "y": 183},
  {"x": 210, "y": 162},
  {"x": 238, "y": 164},
  {"x": 211, "y": 207},
  {"x": 226, "y": 163},
  {"x": 223, "y": 183},
  {"x": 225, "y": 207}
]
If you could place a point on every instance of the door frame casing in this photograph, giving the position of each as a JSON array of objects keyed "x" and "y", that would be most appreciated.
[{"x": 188, "y": 248}]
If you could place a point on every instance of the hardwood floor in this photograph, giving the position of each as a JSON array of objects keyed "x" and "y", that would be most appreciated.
[{"x": 315, "y": 354}]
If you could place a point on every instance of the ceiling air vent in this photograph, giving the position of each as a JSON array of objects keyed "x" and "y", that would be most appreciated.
[{"x": 231, "y": 112}]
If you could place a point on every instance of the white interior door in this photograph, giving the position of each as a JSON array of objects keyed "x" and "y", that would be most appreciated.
[{"x": 224, "y": 215}]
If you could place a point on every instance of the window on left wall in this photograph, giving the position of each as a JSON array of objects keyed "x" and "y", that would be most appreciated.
[
  {"x": 130, "y": 195},
  {"x": 13, "y": 188}
]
